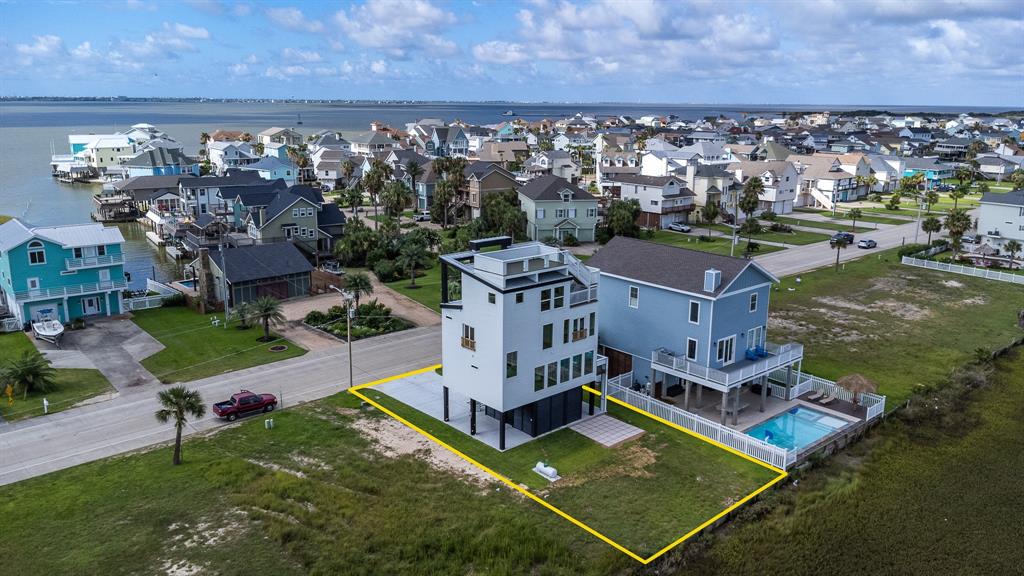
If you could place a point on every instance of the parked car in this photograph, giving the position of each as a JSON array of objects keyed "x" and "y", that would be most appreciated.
[
  {"x": 244, "y": 402},
  {"x": 679, "y": 227},
  {"x": 969, "y": 239},
  {"x": 422, "y": 216},
  {"x": 867, "y": 244},
  {"x": 840, "y": 235}
]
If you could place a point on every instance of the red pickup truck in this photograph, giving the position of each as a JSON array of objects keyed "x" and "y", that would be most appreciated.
[{"x": 244, "y": 402}]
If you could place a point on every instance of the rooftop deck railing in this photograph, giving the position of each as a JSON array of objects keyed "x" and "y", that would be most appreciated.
[
  {"x": 778, "y": 356},
  {"x": 73, "y": 290},
  {"x": 93, "y": 261}
]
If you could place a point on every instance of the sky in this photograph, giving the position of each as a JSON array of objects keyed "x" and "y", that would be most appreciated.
[{"x": 843, "y": 52}]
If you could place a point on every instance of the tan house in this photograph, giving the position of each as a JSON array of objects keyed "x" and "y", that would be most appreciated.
[{"x": 482, "y": 178}]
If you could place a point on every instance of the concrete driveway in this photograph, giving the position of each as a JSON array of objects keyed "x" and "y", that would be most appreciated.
[{"x": 114, "y": 346}]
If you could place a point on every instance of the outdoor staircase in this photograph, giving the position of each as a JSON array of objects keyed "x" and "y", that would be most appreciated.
[{"x": 824, "y": 199}]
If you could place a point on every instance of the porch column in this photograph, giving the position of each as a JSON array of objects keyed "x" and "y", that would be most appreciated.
[
  {"x": 725, "y": 404},
  {"x": 445, "y": 395},
  {"x": 686, "y": 397},
  {"x": 604, "y": 390},
  {"x": 764, "y": 391},
  {"x": 501, "y": 430},
  {"x": 654, "y": 375},
  {"x": 700, "y": 390},
  {"x": 67, "y": 312},
  {"x": 106, "y": 302},
  {"x": 590, "y": 404},
  {"x": 736, "y": 406},
  {"x": 472, "y": 417},
  {"x": 444, "y": 282},
  {"x": 789, "y": 380}
]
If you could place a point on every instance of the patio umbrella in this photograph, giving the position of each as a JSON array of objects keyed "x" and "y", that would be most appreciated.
[{"x": 857, "y": 383}]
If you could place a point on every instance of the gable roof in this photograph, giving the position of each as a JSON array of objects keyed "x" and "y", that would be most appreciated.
[
  {"x": 138, "y": 183},
  {"x": 232, "y": 178},
  {"x": 550, "y": 187},
  {"x": 159, "y": 156},
  {"x": 258, "y": 261},
  {"x": 1014, "y": 198},
  {"x": 15, "y": 233},
  {"x": 669, "y": 266}
]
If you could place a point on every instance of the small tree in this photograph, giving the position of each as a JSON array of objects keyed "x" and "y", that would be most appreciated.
[
  {"x": 838, "y": 245},
  {"x": 353, "y": 196},
  {"x": 411, "y": 256},
  {"x": 709, "y": 213},
  {"x": 414, "y": 170},
  {"x": 30, "y": 373},
  {"x": 267, "y": 310},
  {"x": 958, "y": 193},
  {"x": 931, "y": 225},
  {"x": 622, "y": 215},
  {"x": 243, "y": 312},
  {"x": 957, "y": 222},
  {"x": 359, "y": 284},
  {"x": 1017, "y": 179},
  {"x": 1012, "y": 248},
  {"x": 855, "y": 214},
  {"x": 177, "y": 404},
  {"x": 930, "y": 198}
]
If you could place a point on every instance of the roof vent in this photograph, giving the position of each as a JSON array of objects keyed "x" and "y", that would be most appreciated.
[{"x": 712, "y": 279}]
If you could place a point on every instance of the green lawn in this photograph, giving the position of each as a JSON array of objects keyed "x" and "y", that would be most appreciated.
[
  {"x": 868, "y": 215},
  {"x": 822, "y": 225},
  {"x": 644, "y": 494},
  {"x": 196, "y": 349},
  {"x": 312, "y": 496},
  {"x": 798, "y": 237},
  {"x": 716, "y": 246},
  {"x": 925, "y": 501},
  {"x": 73, "y": 385},
  {"x": 901, "y": 326},
  {"x": 427, "y": 290},
  {"x": 407, "y": 215}
]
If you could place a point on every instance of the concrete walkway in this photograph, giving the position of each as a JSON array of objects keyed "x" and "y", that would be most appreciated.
[{"x": 114, "y": 346}]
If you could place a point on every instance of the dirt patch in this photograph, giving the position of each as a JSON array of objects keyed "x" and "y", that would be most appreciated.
[
  {"x": 208, "y": 532},
  {"x": 276, "y": 468},
  {"x": 952, "y": 284},
  {"x": 180, "y": 568},
  {"x": 975, "y": 301},
  {"x": 904, "y": 310},
  {"x": 634, "y": 461},
  {"x": 842, "y": 303},
  {"x": 309, "y": 461},
  {"x": 393, "y": 439}
]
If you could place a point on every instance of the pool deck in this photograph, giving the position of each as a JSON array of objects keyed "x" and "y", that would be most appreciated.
[{"x": 751, "y": 416}]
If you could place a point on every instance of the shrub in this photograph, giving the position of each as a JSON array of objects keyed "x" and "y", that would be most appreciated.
[
  {"x": 603, "y": 235},
  {"x": 375, "y": 255},
  {"x": 911, "y": 249},
  {"x": 386, "y": 270},
  {"x": 315, "y": 318},
  {"x": 175, "y": 300},
  {"x": 570, "y": 240},
  {"x": 705, "y": 238},
  {"x": 647, "y": 233},
  {"x": 780, "y": 227},
  {"x": 768, "y": 215},
  {"x": 550, "y": 241}
]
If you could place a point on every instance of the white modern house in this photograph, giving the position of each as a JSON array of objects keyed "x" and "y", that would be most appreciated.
[
  {"x": 663, "y": 200},
  {"x": 227, "y": 155},
  {"x": 1001, "y": 218},
  {"x": 780, "y": 180},
  {"x": 520, "y": 341}
]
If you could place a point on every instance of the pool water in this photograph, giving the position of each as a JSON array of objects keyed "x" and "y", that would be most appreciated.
[
  {"x": 797, "y": 428},
  {"x": 188, "y": 283}
]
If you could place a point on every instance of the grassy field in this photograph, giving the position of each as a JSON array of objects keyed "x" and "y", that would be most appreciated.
[
  {"x": 427, "y": 290},
  {"x": 643, "y": 494},
  {"x": 312, "y": 496},
  {"x": 197, "y": 349},
  {"x": 716, "y": 246},
  {"x": 838, "y": 227},
  {"x": 927, "y": 500},
  {"x": 73, "y": 385},
  {"x": 798, "y": 237},
  {"x": 879, "y": 317},
  {"x": 868, "y": 217}
]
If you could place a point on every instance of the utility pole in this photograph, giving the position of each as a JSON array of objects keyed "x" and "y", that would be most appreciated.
[
  {"x": 349, "y": 313},
  {"x": 917, "y": 229}
]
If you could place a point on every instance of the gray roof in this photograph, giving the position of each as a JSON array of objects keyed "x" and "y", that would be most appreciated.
[
  {"x": 1016, "y": 197},
  {"x": 549, "y": 188},
  {"x": 157, "y": 157},
  {"x": 330, "y": 215},
  {"x": 256, "y": 194},
  {"x": 148, "y": 183},
  {"x": 259, "y": 261},
  {"x": 659, "y": 181},
  {"x": 232, "y": 178},
  {"x": 668, "y": 266}
]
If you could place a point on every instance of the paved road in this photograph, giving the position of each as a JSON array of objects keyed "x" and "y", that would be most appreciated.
[
  {"x": 45, "y": 444},
  {"x": 813, "y": 256}
]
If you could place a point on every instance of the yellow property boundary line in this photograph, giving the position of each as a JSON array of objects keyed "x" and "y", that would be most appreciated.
[{"x": 357, "y": 392}]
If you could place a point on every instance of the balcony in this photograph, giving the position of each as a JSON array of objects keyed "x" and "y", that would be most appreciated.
[
  {"x": 469, "y": 344},
  {"x": 583, "y": 296},
  {"x": 73, "y": 290},
  {"x": 578, "y": 335},
  {"x": 745, "y": 369},
  {"x": 93, "y": 261}
]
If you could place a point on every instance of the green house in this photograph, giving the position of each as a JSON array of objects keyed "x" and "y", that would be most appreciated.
[{"x": 556, "y": 208}]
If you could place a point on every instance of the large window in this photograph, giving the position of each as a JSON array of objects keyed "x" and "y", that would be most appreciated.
[
  {"x": 694, "y": 312},
  {"x": 565, "y": 331},
  {"x": 753, "y": 302},
  {"x": 545, "y": 299},
  {"x": 552, "y": 374},
  {"x": 511, "y": 364},
  {"x": 691, "y": 349},
  {"x": 36, "y": 252},
  {"x": 564, "y": 370},
  {"x": 468, "y": 337},
  {"x": 726, "y": 350},
  {"x": 588, "y": 362},
  {"x": 593, "y": 323},
  {"x": 577, "y": 365},
  {"x": 538, "y": 378},
  {"x": 559, "y": 296},
  {"x": 548, "y": 335},
  {"x": 634, "y": 296}
]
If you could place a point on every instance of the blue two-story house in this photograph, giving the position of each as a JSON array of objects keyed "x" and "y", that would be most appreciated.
[
  {"x": 681, "y": 319},
  {"x": 60, "y": 272}
]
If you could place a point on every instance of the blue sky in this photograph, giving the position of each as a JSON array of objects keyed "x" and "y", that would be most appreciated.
[{"x": 929, "y": 52}]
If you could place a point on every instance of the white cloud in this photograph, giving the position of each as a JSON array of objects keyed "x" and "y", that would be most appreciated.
[
  {"x": 379, "y": 67},
  {"x": 84, "y": 51},
  {"x": 398, "y": 26},
  {"x": 285, "y": 72},
  {"x": 293, "y": 19},
  {"x": 251, "y": 59},
  {"x": 605, "y": 65},
  {"x": 498, "y": 52},
  {"x": 295, "y": 55},
  {"x": 43, "y": 48},
  {"x": 186, "y": 31},
  {"x": 240, "y": 69}
]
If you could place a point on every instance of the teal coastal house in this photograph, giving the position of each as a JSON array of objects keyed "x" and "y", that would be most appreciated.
[{"x": 60, "y": 272}]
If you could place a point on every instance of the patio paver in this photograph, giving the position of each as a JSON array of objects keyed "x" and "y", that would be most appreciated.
[{"x": 606, "y": 430}]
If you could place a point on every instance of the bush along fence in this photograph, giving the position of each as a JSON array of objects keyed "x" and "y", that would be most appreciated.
[{"x": 987, "y": 273}]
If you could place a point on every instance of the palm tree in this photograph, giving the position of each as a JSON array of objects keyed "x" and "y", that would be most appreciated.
[
  {"x": 868, "y": 182},
  {"x": 930, "y": 198},
  {"x": 348, "y": 168},
  {"x": 930, "y": 225},
  {"x": 258, "y": 148},
  {"x": 750, "y": 200},
  {"x": 854, "y": 214},
  {"x": 411, "y": 256},
  {"x": 178, "y": 404},
  {"x": 243, "y": 312},
  {"x": 414, "y": 170},
  {"x": 354, "y": 197},
  {"x": 444, "y": 193},
  {"x": 958, "y": 193},
  {"x": 245, "y": 137},
  {"x": 957, "y": 222},
  {"x": 267, "y": 310},
  {"x": 359, "y": 284},
  {"x": 1012, "y": 248},
  {"x": 709, "y": 213},
  {"x": 964, "y": 173},
  {"x": 395, "y": 198},
  {"x": 838, "y": 244},
  {"x": 30, "y": 373},
  {"x": 204, "y": 137}
]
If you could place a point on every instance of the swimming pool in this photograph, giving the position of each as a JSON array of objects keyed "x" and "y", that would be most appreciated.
[
  {"x": 188, "y": 283},
  {"x": 797, "y": 428}
]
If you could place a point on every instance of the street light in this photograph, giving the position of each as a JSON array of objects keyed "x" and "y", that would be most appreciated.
[{"x": 347, "y": 297}]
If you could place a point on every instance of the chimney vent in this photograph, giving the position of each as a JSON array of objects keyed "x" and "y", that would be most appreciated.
[{"x": 712, "y": 279}]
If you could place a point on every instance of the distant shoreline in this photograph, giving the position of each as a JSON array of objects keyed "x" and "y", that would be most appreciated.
[{"x": 855, "y": 110}]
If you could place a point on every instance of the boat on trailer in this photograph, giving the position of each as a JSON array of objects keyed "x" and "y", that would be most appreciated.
[{"x": 48, "y": 330}]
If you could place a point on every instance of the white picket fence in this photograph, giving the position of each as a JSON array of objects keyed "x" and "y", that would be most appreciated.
[
  {"x": 10, "y": 325},
  {"x": 874, "y": 403},
  {"x": 986, "y": 273},
  {"x": 763, "y": 451},
  {"x": 145, "y": 302}
]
